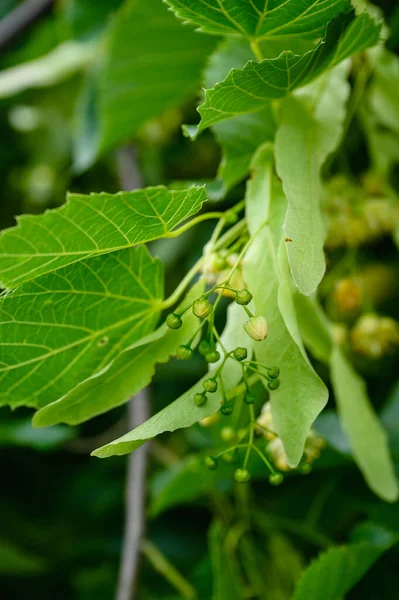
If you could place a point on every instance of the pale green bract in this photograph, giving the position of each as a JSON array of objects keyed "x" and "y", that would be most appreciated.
[
  {"x": 249, "y": 89},
  {"x": 257, "y": 19},
  {"x": 92, "y": 225},
  {"x": 183, "y": 412},
  {"x": 302, "y": 395},
  {"x": 59, "y": 329},
  {"x": 367, "y": 437},
  {"x": 304, "y": 139},
  {"x": 131, "y": 371},
  {"x": 356, "y": 413}
]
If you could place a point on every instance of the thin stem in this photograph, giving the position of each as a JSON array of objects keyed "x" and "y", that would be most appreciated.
[
  {"x": 185, "y": 282},
  {"x": 242, "y": 387},
  {"x": 139, "y": 412},
  {"x": 251, "y": 435},
  {"x": 231, "y": 234},
  {"x": 264, "y": 459},
  {"x": 217, "y": 336},
  {"x": 256, "y": 50},
  {"x": 195, "y": 221},
  {"x": 169, "y": 571}
]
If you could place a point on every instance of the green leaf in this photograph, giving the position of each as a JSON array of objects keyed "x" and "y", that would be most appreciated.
[
  {"x": 302, "y": 395},
  {"x": 366, "y": 435},
  {"x": 131, "y": 371},
  {"x": 61, "y": 328},
  {"x": 250, "y": 89},
  {"x": 152, "y": 64},
  {"x": 303, "y": 142},
  {"x": 337, "y": 570},
  {"x": 240, "y": 136},
  {"x": 91, "y": 225},
  {"x": 183, "y": 412},
  {"x": 257, "y": 18}
]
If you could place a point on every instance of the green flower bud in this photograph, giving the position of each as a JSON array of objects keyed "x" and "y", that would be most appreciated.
[
  {"x": 273, "y": 372},
  {"x": 211, "y": 463},
  {"x": 276, "y": 478},
  {"x": 184, "y": 353},
  {"x": 242, "y": 476},
  {"x": 226, "y": 409},
  {"x": 202, "y": 308},
  {"x": 200, "y": 399},
  {"x": 228, "y": 434},
  {"x": 249, "y": 398},
  {"x": 243, "y": 297},
  {"x": 240, "y": 353},
  {"x": 204, "y": 347},
  {"x": 257, "y": 328},
  {"x": 274, "y": 384},
  {"x": 210, "y": 385},
  {"x": 231, "y": 457},
  {"x": 173, "y": 321},
  {"x": 212, "y": 357}
]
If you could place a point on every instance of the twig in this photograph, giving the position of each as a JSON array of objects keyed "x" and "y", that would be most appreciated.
[
  {"x": 19, "y": 19},
  {"x": 138, "y": 412},
  {"x": 135, "y": 503}
]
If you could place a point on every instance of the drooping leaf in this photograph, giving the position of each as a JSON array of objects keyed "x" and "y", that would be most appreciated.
[
  {"x": 302, "y": 395},
  {"x": 314, "y": 327},
  {"x": 366, "y": 435},
  {"x": 121, "y": 379},
  {"x": 183, "y": 412},
  {"x": 91, "y": 225},
  {"x": 303, "y": 142},
  {"x": 256, "y": 18},
  {"x": 180, "y": 414},
  {"x": 249, "y": 89},
  {"x": 59, "y": 329},
  {"x": 357, "y": 416},
  {"x": 337, "y": 570},
  {"x": 152, "y": 64}
]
